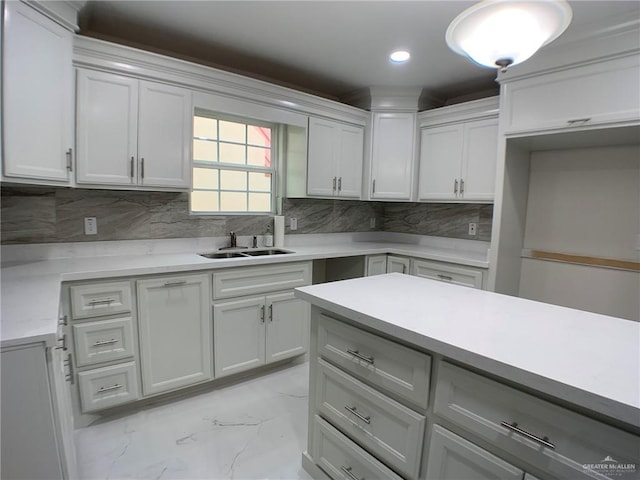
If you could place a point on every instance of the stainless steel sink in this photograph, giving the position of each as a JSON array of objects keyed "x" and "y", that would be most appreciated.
[
  {"x": 268, "y": 251},
  {"x": 245, "y": 253},
  {"x": 218, "y": 255}
]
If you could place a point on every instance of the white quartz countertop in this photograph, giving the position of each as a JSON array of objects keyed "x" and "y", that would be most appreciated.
[
  {"x": 583, "y": 358},
  {"x": 30, "y": 291}
]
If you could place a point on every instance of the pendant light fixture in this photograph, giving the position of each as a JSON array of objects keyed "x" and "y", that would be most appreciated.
[{"x": 500, "y": 33}]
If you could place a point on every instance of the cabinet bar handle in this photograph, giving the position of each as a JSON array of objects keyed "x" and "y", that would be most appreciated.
[
  {"x": 271, "y": 312},
  {"x": 353, "y": 410},
  {"x": 578, "y": 120},
  {"x": 106, "y": 301},
  {"x": 461, "y": 186},
  {"x": 374, "y": 187},
  {"x": 355, "y": 353},
  {"x": 175, "y": 284},
  {"x": 69, "y": 363},
  {"x": 64, "y": 320},
  {"x": 334, "y": 183},
  {"x": 445, "y": 277},
  {"x": 349, "y": 473},
  {"x": 455, "y": 186},
  {"x": 142, "y": 168},
  {"x": 104, "y": 342},
  {"x": 514, "y": 426},
  {"x": 340, "y": 184},
  {"x": 63, "y": 343},
  {"x": 69, "y": 155},
  {"x": 107, "y": 389},
  {"x": 131, "y": 169},
  {"x": 262, "y": 313}
]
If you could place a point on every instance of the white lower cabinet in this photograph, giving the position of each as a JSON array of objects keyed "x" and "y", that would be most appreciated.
[
  {"x": 451, "y": 457},
  {"x": 253, "y": 331},
  {"x": 458, "y": 275},
  {"x": 174, "y": 318},
  {"x": 379, "y": 264},
  {"x": 108, "y": 386}
]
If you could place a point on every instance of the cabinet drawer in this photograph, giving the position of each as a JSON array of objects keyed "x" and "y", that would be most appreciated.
[
  {"x": 100, "y": 299},
  {"x": 107, "y": 387},
  {"x": 447, "y": 273},
  {"x": 389, "y": 430},
  {"x": 103, "y": 341},
  {"x": 342, "y": 459},
  {"x": 383, "y": 363},
  {"x": 480, "y": 405},
  {"x": 255, "y": 280}
]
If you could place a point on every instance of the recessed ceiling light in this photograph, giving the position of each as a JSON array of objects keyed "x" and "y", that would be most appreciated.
[{"x": 399, "y": 56}]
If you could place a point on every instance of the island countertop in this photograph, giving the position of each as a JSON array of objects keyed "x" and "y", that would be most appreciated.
[{"x": 585, "y": 359}]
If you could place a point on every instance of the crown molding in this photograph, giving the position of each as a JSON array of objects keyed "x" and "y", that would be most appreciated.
[
  {"x": 64, "y": 13},
  {"x": 473, "y": 110}
]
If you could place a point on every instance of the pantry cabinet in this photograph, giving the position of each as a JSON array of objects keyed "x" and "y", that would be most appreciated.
[
  {"x": 174, "y": 318},
  {"x": 392, "y": 155},
  {"x": 132, "y": 132},
  {"x": 335, "y": 156},
  {"x": 37, "y": 96},
  {"x": 459, "y": 153}
]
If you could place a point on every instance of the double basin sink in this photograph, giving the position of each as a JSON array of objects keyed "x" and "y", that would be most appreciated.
[{"x": 247, "y": 253}]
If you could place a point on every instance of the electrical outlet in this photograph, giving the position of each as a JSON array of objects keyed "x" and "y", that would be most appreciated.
[
  {"x": 473, "y": 228},
  {"x": 90, "y": 226},
  {"x": 372, "y": 222},
  {"x": 293, "y": 223}
]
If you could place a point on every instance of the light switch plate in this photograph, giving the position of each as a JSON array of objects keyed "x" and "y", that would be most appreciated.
[{"x": 293, "y": 223}]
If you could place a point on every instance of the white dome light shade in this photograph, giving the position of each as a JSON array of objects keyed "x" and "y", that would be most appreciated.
[
  {"x": 504, "y": 32},
  {"x": 400, "y": 56}
]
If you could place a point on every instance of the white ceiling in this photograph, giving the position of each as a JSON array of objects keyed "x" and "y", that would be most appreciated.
[{"x": 327, "y": 47}]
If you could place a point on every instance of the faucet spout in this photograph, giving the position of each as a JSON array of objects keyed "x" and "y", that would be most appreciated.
[{"x": 234, "y": 240}]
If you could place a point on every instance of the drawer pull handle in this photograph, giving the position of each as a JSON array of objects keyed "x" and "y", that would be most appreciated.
[
  {"x": 69, "y": 377},
  {"x": 445, "y": 277},
  {"x": 357, "y": 354},
  {"x": 349, "y": 473},
  {"x": 514, "y": 427},
  {"x": 104, "y": 342},
  {"x": 354, "y": 411},
  {"x": 63, "y": 321},
  {"x": 578, "y": 120},
  {"x": 107, "y": 389},
  {"x": 175, "y": 284},
  {"x": 62, "y": 343},
  {"x": 106, "y": 301}
]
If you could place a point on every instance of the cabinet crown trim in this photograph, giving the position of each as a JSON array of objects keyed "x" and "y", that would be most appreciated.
[{"x": 462, "y": 112}]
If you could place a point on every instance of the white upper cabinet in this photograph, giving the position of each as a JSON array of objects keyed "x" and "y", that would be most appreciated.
[
  {"x": 132, "y": 132},
  {"x": 459, "y": 152},
  {"x": 335, "y": 155},
  {"x": 37, "y": 90},
  {"x": 595, "y": 94},
  {"x": 392, "y": 155}
]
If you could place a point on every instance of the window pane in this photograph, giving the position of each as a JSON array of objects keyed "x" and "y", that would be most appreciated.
[
  {"x": 233, "y": 201},
  {"x": 204, "y": 127},
  {"x": 259, "y": 156},
  {"x": 205, "y": 150},
  {"x": 204, "y": 201},
  {"x": 233, "y": 132},
  {"x": 259, "y": 202},
  {"x": 232, "y": 180},
  {"x": 260, "y": 182},
  {"x": 259, "y": 135},
  {"x": 230, "y": 153},
  {"x": 205, "y": 178}
]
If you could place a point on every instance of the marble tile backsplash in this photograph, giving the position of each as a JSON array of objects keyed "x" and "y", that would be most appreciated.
[{"x": 54, "y": 215}]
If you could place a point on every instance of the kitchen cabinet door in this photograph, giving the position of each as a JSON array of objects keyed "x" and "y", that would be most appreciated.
[
  {"x": 37, "y": 91},
  {"x": 350, "y": 157},
  {"x": 107, "y": 123},
  {"x": 479, "y": 160},
  {"x": 452, "y": 457},
  {"x": 376, "y": 264},
  {"x": 174, "y": 317},
  {"x": 440, "y": 158},
  {"x": 322, "y": 158},
  {"x": 287, "y": 327},
  {"x": 392, "y": 155},
  {"x": 397, "y": 264},
  {"x": 238, "y": 335},
  {"x": 164, "y": 136}
]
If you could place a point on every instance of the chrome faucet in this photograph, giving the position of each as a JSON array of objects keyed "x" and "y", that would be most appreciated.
[{"x": 234, "y": 240}]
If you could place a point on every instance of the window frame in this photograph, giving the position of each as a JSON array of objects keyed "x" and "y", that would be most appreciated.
[{"x": 219, "y": 166}]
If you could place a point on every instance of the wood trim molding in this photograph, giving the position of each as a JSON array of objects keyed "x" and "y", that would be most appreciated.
[{"x": 583, "y": 260}]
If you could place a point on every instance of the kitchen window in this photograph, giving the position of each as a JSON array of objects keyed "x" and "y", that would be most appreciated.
[{"x": 233, "y": 171}]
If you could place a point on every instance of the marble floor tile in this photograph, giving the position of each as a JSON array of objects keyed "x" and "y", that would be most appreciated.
[{"x": 255, "y": 429}]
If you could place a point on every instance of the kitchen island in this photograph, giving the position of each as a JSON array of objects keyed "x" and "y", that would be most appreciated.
[{"x": 413, "y": 378}]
